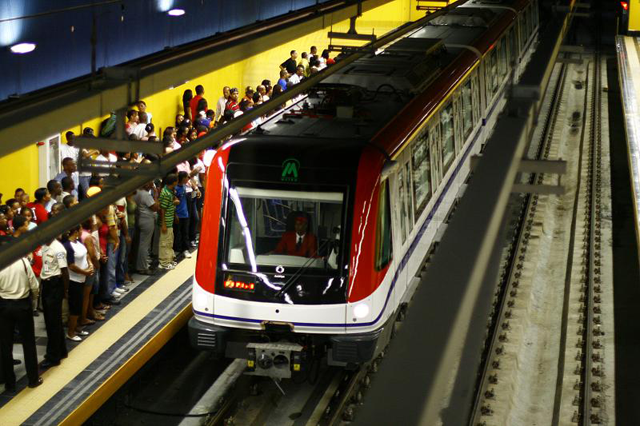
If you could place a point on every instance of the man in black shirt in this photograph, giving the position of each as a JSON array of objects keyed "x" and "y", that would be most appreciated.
[{"x": 291, "y": 63}]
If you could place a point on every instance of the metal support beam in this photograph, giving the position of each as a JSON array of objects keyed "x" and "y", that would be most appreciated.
[
  {"x": 567, "y": 48},
  {"x": 80, "y": 212},
  {"x": 348, "y": 36},
  {"x": 575, "y": 61},
  {"x": 119, "y": 145},
  {"x": 531, "y": 166},
  {"x": 558, "y": 167},
  {"x": 541, "y": 189}
]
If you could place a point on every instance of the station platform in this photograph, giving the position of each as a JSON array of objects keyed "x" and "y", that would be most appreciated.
[
  {"x": 150, "y": 314},
  {"x": 628, "y": 53}
]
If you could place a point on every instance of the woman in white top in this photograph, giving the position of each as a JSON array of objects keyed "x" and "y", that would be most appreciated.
[{"x": 79, "y": 270}]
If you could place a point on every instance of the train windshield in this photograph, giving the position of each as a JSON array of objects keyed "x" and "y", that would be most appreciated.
[{"x": 284, "y": 228}]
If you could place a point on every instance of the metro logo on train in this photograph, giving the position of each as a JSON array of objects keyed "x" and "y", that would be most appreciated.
[{"x": 290, "y": 168}]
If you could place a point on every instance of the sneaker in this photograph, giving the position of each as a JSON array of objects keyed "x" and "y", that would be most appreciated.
[
  {"x": 187, "y": 254},
  {"x": 111, "y": 301},
  {"x": 174, "y": 263},
  {"x": 123, "y": 288},
  {"x": 82, "y": 333},
  {"x": 118, "y": 292},
  {"x": 168, "y": 267},
  {"x": 193, "y": 244},
  {"x": 74, "y": 338}
]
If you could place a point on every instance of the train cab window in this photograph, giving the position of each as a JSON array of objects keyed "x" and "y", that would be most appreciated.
[
  {"x": 283, "y": 228},
  {"x": 467, "y": 109},
  {"x": 421, "y": 173},
  {"x": 448, "y": 142},
  {"x": 384, "y": 248}
]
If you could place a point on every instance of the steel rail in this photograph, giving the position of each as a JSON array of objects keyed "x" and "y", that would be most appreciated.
[
  {"x": 593, "y": 200},
  {"x": 51, "y": 229},
  {"x": 519, "y": 251}
]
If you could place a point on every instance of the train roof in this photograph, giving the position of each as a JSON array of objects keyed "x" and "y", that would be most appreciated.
[{"x": 359, "y": 100}]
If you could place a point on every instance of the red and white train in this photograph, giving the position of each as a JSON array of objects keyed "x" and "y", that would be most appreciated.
[{"x": 316, "y": 224}]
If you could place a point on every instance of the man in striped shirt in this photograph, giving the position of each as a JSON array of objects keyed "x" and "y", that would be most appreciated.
[{"x": 168, "y": 202}]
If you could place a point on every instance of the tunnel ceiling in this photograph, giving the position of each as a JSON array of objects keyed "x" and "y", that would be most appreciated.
[{"x": 122, "y": 30}]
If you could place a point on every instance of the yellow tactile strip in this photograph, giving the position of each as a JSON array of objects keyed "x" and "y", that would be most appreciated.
[{"x": 27, "y": 402}]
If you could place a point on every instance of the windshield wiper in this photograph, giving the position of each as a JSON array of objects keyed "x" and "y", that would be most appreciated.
[{"x": 300, "y": 271}]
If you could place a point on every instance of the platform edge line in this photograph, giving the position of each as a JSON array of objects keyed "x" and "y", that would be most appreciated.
[{"x": 94, "y": 401}]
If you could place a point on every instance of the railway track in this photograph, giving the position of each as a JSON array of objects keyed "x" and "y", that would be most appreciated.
[{"x": 543, "y": 337}]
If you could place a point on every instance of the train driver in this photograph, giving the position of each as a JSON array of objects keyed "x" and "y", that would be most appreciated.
[{"x": 299, "y": 242}]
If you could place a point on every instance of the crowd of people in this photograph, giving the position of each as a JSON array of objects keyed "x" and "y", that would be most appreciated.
[{"x": 90, "y": 265}]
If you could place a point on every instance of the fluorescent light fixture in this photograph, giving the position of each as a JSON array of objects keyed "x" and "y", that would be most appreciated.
[
  {"x": 22, "y": 48},
  {"x": 176, "y": 12}
]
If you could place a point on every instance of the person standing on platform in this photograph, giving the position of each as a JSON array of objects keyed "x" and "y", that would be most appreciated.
[
  {"x": 55, "y": 189},
  {"x": 181, "y": 230},
  {"x": 55, "y": 284},
  {"x": 222, "y": 103},
  {"x": 69, "y": 150},
  {"x": 147, "y": 215},
  {"x": 193, "y": 103},
  {"x": 168, "y": 203},
  {"x": 282, "y": 82},
  {"x": 18, "y": 286},
  {"x": 290, "y": 64},
  {"x": 79, "y": 270},
  {"x": 70, "y": 170},
  {"x": 41, "y": 213}
]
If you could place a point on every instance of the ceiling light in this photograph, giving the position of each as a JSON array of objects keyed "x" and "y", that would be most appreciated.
[
  {"x": 176, "y": 12},
  {"x": 21, "y": 48}
]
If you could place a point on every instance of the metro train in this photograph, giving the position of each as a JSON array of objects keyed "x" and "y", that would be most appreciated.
[{"x": 317, "y": 222}]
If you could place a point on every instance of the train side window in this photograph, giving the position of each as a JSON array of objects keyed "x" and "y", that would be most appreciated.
[
  {"x": 521, "y": 32},
  {"x": 457, "y": 121},
  {"x": 491, "y": 67},
  {"x": 475, "y": 96},
  {"x": 502, "y": 58},
  {"x": 421, "y": 173},
  {"x": 448, "y": 138},
  {"x": 513, "y": 46},
  {"x": 384, "y": 248},
  {"x": 434, "y": 149},
  {"x": 408, "y": 196},
  {"x": 402, "y": 201},
  {"x": 467, "y": 109}
]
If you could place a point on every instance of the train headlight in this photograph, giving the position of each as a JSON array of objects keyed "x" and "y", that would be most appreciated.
[{"x": 361, "y": 310}]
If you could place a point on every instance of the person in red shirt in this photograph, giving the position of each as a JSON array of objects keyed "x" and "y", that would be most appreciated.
[
  {"x": 232, "y": 102},
  {"x": 43, "y": 197},
  {"x": 4, "y": 222},
  {"x": 299, "y": 242},
  {"x": 193, "y": 103}
]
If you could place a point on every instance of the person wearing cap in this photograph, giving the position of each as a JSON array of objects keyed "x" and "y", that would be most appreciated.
[{"x": 299, "y": 242}]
